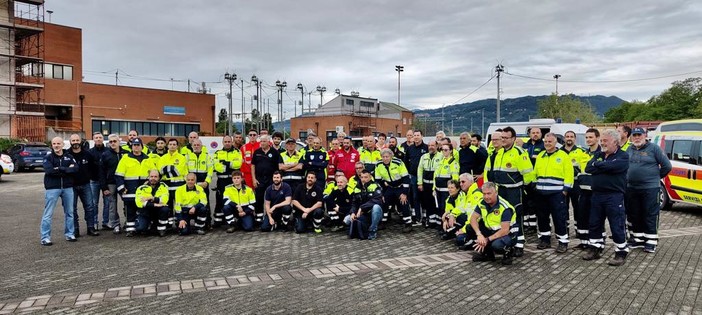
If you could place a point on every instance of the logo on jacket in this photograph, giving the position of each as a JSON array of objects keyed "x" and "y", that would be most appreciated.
[{"x": 509, "y": 165}]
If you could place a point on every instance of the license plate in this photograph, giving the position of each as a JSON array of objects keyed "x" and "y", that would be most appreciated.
[{"x": 39, "y": 161}]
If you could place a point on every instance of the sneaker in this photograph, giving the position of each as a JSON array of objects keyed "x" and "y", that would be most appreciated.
[
  {"x": 71, "y": 239},
  {"x": 649, "y": 248},
  {"x": 561, "y": 248},
  {"x": 479, "y": 257},
  {"x": 407, "y": 229},
  {"x": 318, "y": 231},
  {"x": 46, "y": 242},
  {"x": 592, "y": 254},
  {"x": 200, "y": 232},
  {"x": 117, "y": 230},
  {"x": 417, "y": 223},
  {"x": 518, "y": 252},
  {"x": 337, "y": 228},
  {"x": 76, "y": 233},
  {"x": 129, "y": 234},
  {"x": 633, "y": 244},
  {"x": 372, "y": 236},
  {"x": 618, "y": 260},
  {"x": 543, "y": 245},
  {"x": 105, "y": 227},
  {"x": 93, "y": 232}
]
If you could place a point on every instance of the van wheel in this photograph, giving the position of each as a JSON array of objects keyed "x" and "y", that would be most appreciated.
[{"x": 664, "y": 199}]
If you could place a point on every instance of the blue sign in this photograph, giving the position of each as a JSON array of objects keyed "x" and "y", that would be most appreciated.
[{"x": 174, "y": 110}]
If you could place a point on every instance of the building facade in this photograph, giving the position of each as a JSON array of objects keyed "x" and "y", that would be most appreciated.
[
  {"x": 356, "y": 116},
  {"x": 62, "y": 103}
]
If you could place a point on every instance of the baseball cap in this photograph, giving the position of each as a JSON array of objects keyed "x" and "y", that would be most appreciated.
[
  {"x": 137, "y": 141},
  {"x": 288, "y": 140},
  {"x": 638, "y": 131}
]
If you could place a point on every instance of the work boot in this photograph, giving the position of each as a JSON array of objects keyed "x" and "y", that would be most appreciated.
[
  {"x": 543, "y": 245},
  {"x": 200, "y": 232},
  {"x": 117, "y": 229},
  {"x": 562, "y": 248},
  {"x": 446, "y": 236},
  {"x": 231, "y": 229},
  {"x": 582, "y": 246},
  {"x": 336, "y": 228},
  {"x": 372, "y": 235},
  {"x": 77, "y": 232},
  {"x": 162, "y": 233},
  {"x": 479, "y": 257},
  {"x": 592, "y": 254},
  {"x": 507, "y": 256},
  {"x": 649, "y": 248},
  {"x": 634, "y": 244},
  {"x": 618, "y": 260},
  {"x": 518, "y": 252},
  {"x": 93, "y": 232}
]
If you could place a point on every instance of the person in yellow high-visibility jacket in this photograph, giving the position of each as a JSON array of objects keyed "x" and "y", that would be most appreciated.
[
  {"x": 152, "y": 202},
  {"x": 191, "y": 204},
  {"x": 554, "y": 179}
]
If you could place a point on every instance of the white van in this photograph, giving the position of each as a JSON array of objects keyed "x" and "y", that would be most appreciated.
[{"x": 546, "y": 125}]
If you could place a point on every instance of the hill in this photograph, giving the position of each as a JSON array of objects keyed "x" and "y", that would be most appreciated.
[{"x": 512, "y": 109}]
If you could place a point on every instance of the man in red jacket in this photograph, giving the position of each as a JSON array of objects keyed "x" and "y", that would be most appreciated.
[
  {"x": 345, "y": 158},
  {"x": 331, "y": 168},
  {"x": 247, "y": 151}
]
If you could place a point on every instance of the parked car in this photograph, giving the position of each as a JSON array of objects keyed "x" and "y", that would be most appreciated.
[
  {"x": 28, "y": 156},
  {"x": 6, "y": 165}
]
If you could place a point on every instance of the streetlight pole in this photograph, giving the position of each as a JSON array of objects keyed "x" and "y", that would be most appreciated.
[
  {"x": 302, "y": 99},
  {"x": 321, "y": 90},
  {"x": 230, "y": 78},
  {"x": 499, "y": 68},
  {"x": 399, "y": 69},
  {"x": 243, "y": 113},
  {"x": 557, "y": 76},
  {"x": 281, "y": 86},
  {"x": 254, "y": 79}
]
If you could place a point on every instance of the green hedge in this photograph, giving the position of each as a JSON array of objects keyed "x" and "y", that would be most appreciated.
[{"x": 6, "y": 143}]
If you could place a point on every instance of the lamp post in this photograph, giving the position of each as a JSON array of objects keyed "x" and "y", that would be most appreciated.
[
  {"x": 255, "y": 80},
  {"x": 281, "y": 86},
  {"x": 399, "y": 69},
  {"x": 302, "y": 99},
  {"x": 557, "y": 76},
  {"x": 321, "y": 90},
  {"x": 230, "y": 78}
]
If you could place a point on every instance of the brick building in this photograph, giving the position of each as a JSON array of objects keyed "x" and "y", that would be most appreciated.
[
  {"x": 51, "y": 68},
  {"x": 356, "y": 116}
]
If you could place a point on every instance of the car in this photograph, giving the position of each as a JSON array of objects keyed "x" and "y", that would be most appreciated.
[
  {"x": 28, "y": 156},
  {"x": 6, "y": 165}
]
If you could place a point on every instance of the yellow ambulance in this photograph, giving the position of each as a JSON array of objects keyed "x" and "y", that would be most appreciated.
[{"x": 681, "y": 140}]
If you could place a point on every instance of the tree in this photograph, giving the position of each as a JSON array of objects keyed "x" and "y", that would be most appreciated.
[
  {"x": 682, "y": 100},
  {"x": 566, "y": 107},
  {"x": 221, "y": 125},
  {"x": 256, "y": 118}
]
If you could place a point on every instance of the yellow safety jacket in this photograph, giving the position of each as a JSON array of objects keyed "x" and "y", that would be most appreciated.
[
  {"x": 509, "y": 168},
  {"x": 492, "y": 216},
  {"x": 369, "y": 158},
  {"x": 554, "y": 172},
  {"x": 243, "y": 196},
  {"x": 131, "y": 173},
  {"x": 467, "y": 201},
  {"x": 452, "y": 205},
  {"x": 428, "y": 164},
  {"x": 295, "y": 158},
  {"x": 201, "y": 165},
  {"x": 578, "y": 156},
  {"x": 447, "y": 170},
  {"x": 128, "y": 148},
  {"x": 173, "y": 168},
  {"x": 187, "y": 198},
  {"x": 160, "y": 194},
  {"x": 393, "y": 175},
  {"x": 226, "y": 161}
]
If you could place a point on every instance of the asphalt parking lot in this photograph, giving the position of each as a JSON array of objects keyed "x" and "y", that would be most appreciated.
[{"x": 281, "y": 272}]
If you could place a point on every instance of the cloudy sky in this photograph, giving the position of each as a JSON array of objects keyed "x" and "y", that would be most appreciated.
[{"x": 448, "y": 48}]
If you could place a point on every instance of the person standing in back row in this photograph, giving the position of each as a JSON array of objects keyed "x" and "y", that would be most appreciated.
[
  {"x": 81, "y": 186},
  {"x": 59, "y": 167},
  {"x": 263, "y": 164},
  {"x": 647, "y": 165}
]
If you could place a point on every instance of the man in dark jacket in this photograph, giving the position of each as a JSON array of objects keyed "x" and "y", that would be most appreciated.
[
  {"x": 608, "y": 170},
  {"x": 413, "y": 153},
  {"x": 368, "y": 202},
  {"x": 108, "y": 187},
  {"x": 96, "y": 153},
  {"x": 59, "y": 167},
  {"x": 81, "y": 186}
]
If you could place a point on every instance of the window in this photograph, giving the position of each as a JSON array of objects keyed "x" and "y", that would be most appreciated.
[
  {"x": 366, "y": 104},
  {"x": 690, "y": 126},
  {"x": 349, "y": 102},
  {"x": 48, "y": 70},
  {"x": 58, "y": 72},
  {"x": 107, "y": 127},
  {"x": 68, "y": 73},
  {"x": 682, "y": 150}
]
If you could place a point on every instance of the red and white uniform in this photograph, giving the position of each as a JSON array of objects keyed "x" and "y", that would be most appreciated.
[
  {"x": 247, "y": 151},
  {"x": 345, "y": 161}
]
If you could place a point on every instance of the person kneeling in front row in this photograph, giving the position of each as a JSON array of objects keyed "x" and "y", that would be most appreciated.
[
  {"x": 307, "y": 205},
  {"x": 239, "y": 201},
  {"x": 494, "y": 224},
  {"x": 191, "y": 204}
]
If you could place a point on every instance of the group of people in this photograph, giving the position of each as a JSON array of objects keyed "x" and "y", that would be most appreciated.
[{"x": 483, "y": 197}]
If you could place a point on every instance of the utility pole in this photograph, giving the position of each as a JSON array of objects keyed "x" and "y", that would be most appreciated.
[
  {"x": 557, "y": 76},
  {"x": 281, "y": 86},
  {"x": 442, "y": 117},
  {"x": 230, "y": 78},
  {"x": 243, "y": 113},
  {"x": 255, "y": 80},
  {"x": 499, "y": 68},
  {"x": 399, "y": 69},
  {"x": 302, "y": 99},
  {"x": 117, "y": 77},
  {"x": 482, "y": 124}
]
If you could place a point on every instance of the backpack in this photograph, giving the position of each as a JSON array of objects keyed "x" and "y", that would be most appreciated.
[{"x": 359, "y": 228}]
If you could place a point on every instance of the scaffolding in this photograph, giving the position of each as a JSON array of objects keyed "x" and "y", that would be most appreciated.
[
  {"x": 22, "y": 57},
  {"x": 364, "y": 116}
]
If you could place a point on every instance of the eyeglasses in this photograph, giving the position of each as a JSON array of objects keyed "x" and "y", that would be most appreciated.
[
  {"x": 445, "y": 150},
  {"x": 360, "y": 168},
  {"x": 252, "y": 135},
  {"x": 464, "y": 181},
  {"x": 112, "y": 141}
]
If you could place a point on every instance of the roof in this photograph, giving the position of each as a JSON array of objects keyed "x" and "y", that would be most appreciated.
[{"x": 394, "y": 106}]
